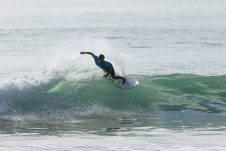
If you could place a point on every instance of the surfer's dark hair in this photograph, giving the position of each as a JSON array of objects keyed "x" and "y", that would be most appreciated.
[{"x": 101, "y": 56}]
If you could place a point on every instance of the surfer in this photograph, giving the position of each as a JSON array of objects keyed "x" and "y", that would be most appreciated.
[{"x": 104, "y": 65}]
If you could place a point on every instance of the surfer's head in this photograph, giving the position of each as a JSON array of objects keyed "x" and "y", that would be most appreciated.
[{"x": 101, "y": 57}]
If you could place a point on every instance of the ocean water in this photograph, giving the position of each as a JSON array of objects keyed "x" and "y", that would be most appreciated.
[{"x": 52, "y": 98}]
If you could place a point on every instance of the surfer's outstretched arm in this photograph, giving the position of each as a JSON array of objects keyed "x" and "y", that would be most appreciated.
[{"x": 89, "y": 53}]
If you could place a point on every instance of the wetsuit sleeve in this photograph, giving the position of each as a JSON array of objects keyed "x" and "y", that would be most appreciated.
[{"x": 95, "y": 58}]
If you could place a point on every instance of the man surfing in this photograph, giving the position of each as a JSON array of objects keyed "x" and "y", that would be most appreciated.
[{"x": 104, "y": 65}]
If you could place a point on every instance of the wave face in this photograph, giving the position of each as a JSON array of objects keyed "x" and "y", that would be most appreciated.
[{"x": 99, "y": 97}]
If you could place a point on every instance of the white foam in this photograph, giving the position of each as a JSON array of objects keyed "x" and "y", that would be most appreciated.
[{"x": 151, "y": 139}]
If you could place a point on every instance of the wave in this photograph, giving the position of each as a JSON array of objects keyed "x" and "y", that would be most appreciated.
[{"x": 96, "y": 96}]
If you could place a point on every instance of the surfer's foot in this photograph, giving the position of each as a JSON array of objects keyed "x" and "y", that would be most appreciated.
[{"x": 123, "y": 81}]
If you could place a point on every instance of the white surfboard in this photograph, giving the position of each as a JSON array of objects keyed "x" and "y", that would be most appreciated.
[{"x": 129, "y": 83}]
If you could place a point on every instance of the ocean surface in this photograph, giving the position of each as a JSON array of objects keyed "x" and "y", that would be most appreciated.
[{"x": 53, "y": 98}]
